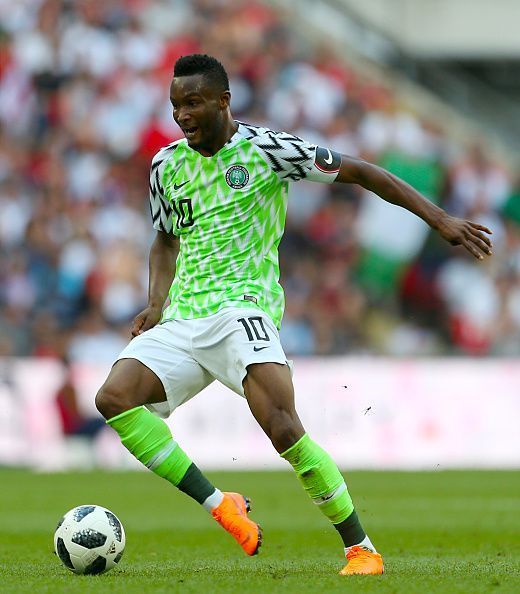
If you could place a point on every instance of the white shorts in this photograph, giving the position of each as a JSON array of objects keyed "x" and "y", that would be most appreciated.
[{"x": 188, "y": 355}]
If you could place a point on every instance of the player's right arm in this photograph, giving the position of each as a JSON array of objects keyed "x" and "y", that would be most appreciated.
[
  {"x": 163, "y": 255},
  {"x": 164, "y": 250}
]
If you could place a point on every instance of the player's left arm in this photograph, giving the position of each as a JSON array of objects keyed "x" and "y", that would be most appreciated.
[{"x": 396, "y": 191}]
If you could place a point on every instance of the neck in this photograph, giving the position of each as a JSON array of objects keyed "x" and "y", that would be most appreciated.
[{"x": 228, "y": 130}]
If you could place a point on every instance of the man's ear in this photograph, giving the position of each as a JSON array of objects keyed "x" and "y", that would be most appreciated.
[{"x": 225, "y": 99}]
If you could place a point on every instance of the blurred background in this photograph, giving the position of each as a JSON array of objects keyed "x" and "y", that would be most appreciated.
[{"x": 401, "y": 342}]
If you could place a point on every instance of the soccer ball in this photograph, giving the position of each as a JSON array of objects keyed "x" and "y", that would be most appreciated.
[{"x": 89, "y": 539}]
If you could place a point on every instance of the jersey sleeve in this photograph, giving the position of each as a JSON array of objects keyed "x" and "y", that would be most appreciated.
[
  {"x": 292, "y": 159},
  {"x": 160, "y": 208}
]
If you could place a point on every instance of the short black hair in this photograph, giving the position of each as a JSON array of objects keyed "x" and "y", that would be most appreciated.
[{"x": 202, "y": 64}]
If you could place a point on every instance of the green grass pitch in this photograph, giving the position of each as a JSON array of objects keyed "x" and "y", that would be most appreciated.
[{"x": 439, "y": 532}]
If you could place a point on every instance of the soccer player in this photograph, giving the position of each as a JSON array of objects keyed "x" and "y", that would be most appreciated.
[{"x": 218, "y": 202}]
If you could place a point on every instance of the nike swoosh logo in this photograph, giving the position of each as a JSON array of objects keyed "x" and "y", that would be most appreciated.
[
  {"x": 329, "y": 159},
  {"x": 178, "y": 187},
  {"x": 256, "y": 349},
  {"x": 323, "y": 499}
]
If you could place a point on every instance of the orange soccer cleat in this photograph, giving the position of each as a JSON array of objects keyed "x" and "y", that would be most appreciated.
[
  {"x": 361, "y": 561},
  {"x": 231, "y": 514}
]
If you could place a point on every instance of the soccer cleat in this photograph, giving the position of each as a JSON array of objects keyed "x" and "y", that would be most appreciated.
[
  {"x": 361, "y": 561},
  {"x": 231, "y": 514}
]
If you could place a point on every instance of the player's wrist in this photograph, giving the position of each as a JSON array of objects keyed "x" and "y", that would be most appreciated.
[
  {"x": 437, "y": 218},
  {"x": 154, "y": 305}
]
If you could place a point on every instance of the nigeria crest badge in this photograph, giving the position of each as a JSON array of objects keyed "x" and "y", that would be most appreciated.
[{"x": 237, "y": 177}]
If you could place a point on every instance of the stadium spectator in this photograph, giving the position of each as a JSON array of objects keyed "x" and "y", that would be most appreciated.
[
  {"x": 82, "y": 110},
  {"x": 73, "y": 421}
]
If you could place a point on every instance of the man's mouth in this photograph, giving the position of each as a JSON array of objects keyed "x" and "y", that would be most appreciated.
[{"x": 190, "y": 132}]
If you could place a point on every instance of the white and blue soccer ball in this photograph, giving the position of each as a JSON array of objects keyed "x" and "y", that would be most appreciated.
[{"x": 89, "y": 540}]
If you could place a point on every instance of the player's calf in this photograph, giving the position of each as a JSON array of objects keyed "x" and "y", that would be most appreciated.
[{"x": 323, "y": 482}]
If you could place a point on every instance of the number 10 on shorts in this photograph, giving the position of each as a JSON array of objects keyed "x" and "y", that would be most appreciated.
[{"x": 254, "y": 327}]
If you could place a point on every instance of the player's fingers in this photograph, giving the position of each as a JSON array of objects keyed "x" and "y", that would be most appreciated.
[
  {"x": 481, "y": 236},
  {"x": 484, "y": 245},
  {"x": 472, "y": 249},
  {"x": 147, "y": 324},
  {"x": 137, "y": 325},
  {"x": 481, "y": 228}
]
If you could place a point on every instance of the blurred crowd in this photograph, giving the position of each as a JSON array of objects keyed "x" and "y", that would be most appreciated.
[{"x": 83, "y": 108}]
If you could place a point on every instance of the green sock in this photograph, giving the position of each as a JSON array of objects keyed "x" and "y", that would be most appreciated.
[
  {"x": 149, "y": 439},
  {"x": 196, "y": 485},
  {"x": 326, "y": 487}
]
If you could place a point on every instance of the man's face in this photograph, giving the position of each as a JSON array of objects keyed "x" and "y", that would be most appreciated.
[{"x": 199, "y": 110}]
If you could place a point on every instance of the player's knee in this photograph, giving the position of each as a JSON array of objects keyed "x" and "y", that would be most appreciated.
[
  {"x": 283, "y": 429},
  {"x": 112, "y": 400}
]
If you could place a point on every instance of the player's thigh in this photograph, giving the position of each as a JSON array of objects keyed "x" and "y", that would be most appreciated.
[
  {"x": 177, "y": 376},
  {"x": 269, "y": 382},
  {"x": 269, "y": 389}
]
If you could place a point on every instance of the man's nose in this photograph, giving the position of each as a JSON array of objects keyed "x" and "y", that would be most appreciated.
[{"x": 183, "y": 115}]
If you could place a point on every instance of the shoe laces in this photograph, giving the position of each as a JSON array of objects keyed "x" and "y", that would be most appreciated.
[{"x": 358, "y": 553}]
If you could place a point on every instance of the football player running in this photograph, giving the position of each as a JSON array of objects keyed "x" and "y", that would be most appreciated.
[{"x": 218, "y": 201}]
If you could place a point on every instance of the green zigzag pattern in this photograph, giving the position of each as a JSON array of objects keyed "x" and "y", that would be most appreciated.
[{"x": 231, "y": 250}]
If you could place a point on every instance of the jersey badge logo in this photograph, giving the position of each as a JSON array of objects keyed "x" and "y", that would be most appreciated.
[{"x": 237, "y": 177}]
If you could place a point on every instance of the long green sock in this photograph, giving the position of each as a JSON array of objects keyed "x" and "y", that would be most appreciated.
[
  {"x": 149, "y": 439},
  {"x": 326, "y": 487}
]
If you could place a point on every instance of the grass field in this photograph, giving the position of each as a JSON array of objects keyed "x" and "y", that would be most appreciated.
[{"x": 440, "y": 532}]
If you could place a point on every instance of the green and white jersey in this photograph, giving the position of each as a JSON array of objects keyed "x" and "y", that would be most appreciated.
[{"x": 229, "y": 213}]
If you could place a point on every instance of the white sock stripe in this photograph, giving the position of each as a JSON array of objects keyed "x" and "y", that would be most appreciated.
[
  {"x": 214, "y": 500},
  {"x": 366, "y": 543},
  {"x": 330, "y": 496},
  {"x": 161, "y": 455}
]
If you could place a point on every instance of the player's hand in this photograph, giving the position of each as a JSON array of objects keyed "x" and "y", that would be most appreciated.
[
  {"x": 469, "y": 235},
  {"x": 145, "y": 320}
]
